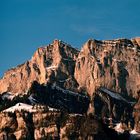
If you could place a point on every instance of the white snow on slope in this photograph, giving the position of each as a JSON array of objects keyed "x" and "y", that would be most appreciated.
[
  {"x": 67, "y": 59},
  {"x": 52, "y": 109},
  {"x": 118, "y": 128},
  {"x": 8, "y": 95},
  {"x": 67, "y": 91},
  {"x": 51, "y": 67},
  {"x": 134, "y": 135},
  {"x": 75, "y": 114},
  {"x": 134, "y": 132},
  {"x": 32, "y": 100},
  {"x": 19, "y": 107},
  {"x": 113, "y": 95}
]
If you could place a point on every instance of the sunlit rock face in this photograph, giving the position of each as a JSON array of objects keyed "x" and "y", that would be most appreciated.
[
  {"x": 114, "y": 64},
  {"x": 52, "y": 63},
  {"x": 136, "y": 41}
]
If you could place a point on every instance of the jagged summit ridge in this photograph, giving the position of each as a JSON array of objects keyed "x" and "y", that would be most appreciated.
[
  {"x": 50, "y": 63},
  {"x": 114, "y": 64}
]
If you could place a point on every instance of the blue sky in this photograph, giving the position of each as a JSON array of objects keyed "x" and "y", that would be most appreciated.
[{"x": 27, "y": 24}]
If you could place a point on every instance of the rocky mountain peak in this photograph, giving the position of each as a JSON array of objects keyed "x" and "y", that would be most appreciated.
[
  {"x": 113, "y": 64},
  {"x": 109, "y": 63},
  {"x": 49, "y": 64}
]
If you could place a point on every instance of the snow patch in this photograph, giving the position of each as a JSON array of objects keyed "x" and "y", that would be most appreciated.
[
  {"x": 113, "y": 95},
  {"x": 118, "y": 128},
  {"x": 51, "y": 67},
  {"x": 67, "y": 91},
  {"x": 52, "y": 109},
  {"x": 8, "y": 96},
  {"x": 67, "y": 59},
  {"x": 20, "y": 107},
  {"x": 32, "y": 100},
  {"x": 134, "y": 132},
  {"x": 114, "y": 59},
  {"x": 74, "y": 115},
  {"x": 134, "y": 135}
]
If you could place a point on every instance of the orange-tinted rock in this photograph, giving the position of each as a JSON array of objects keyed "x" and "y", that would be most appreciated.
[
  {"x": 52, "y": 63},
  {"x": 114, "y": 64}
]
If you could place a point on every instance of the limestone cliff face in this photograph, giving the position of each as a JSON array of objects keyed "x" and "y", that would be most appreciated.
[
  {"x": 53, "y": 63},
  {"x": 48, "y": 125},
  {"x": 53, "y": 125},
  {"x": 114, "y": 64},
  {"x": 23, "y": 125},
  {"x": 136, "y": 41}
]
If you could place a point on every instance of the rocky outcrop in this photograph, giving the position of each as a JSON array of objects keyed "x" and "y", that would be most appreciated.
[
  {"x": 25, "y": 125},
  {"x": 136, "y": 41},
  {"x": 53, "y": 125},
  {"x": 114, "y": 64}
]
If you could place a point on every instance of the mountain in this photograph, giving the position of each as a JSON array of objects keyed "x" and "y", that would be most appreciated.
[
  {"x": 114, "y": 64},
  {"x": 52, "y": 63},
  {"x": 65, "y": 93}
]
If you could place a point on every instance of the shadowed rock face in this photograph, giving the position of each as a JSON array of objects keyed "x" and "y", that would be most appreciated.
[
  {"x": 59, "y": 98},
  {"x": 114, "y": 64}
]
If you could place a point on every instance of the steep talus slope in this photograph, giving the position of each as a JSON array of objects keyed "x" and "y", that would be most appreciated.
[
  {"x": 53, "y": 63},
  {"x": 114, "y": 64}
]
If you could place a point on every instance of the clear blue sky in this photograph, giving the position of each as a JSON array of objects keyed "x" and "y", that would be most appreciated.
[{"x": 27, "y": 24}]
